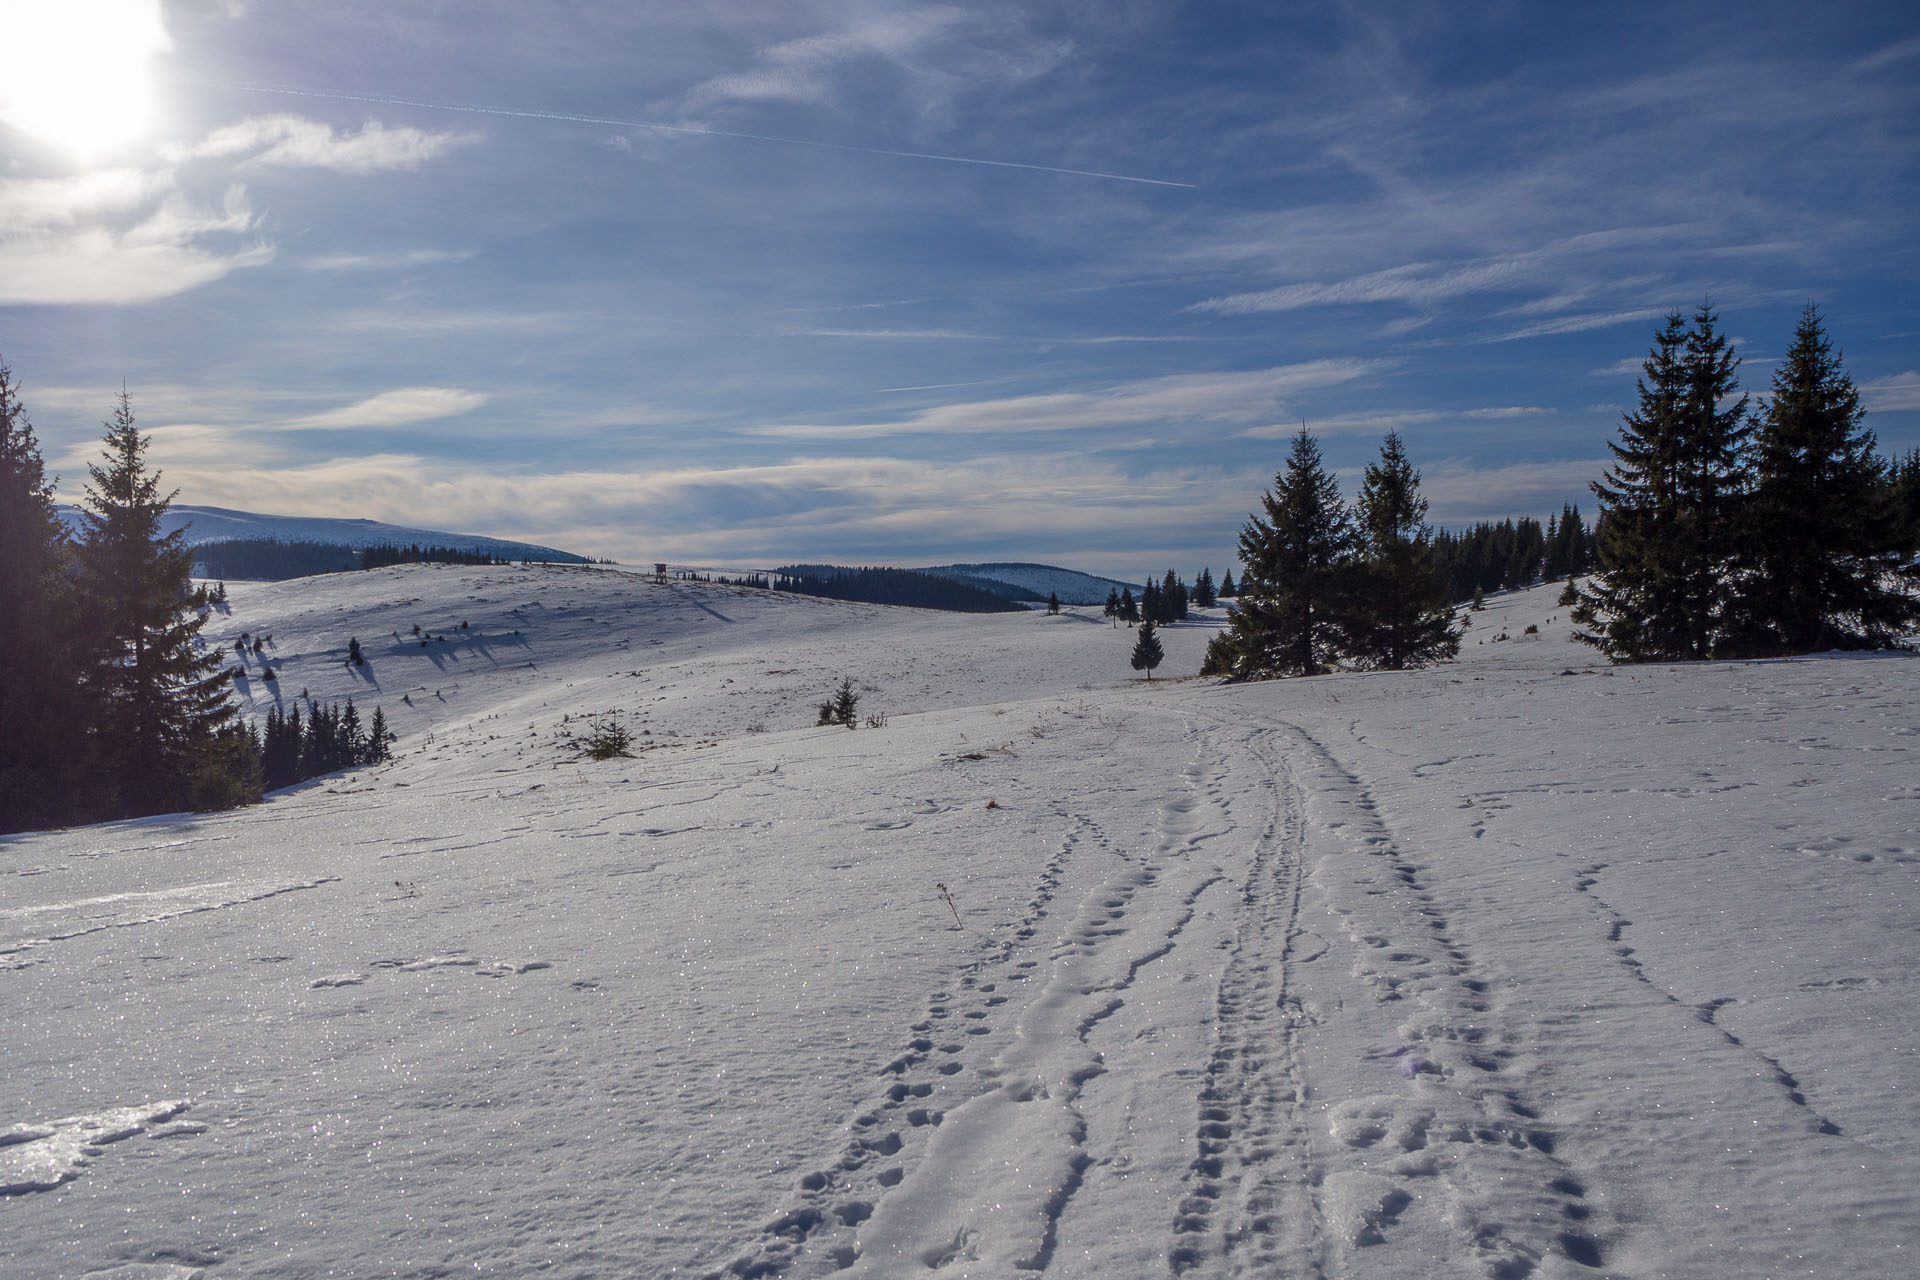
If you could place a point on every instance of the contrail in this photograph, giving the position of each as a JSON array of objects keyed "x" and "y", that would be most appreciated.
[{"x": 700, "y": 132}]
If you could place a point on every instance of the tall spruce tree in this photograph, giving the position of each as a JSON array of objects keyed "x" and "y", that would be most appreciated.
[
  {"x": 1287, "y": 616},
  {"x": 1823, "y": 563},
  {"x": 1669, "y": 504},
  {"x": 39, "y": 714},
  {"x": 1712, "y": 481},
  {"x": 162, "y": 697},
  {"x": 1400, "y": 615}
]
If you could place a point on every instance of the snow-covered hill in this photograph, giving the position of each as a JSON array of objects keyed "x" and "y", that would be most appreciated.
[
  {"x": 1035, "y": 581},
  {"x": 1525, "y": 966},
  {"x": 221, "y": 524}
]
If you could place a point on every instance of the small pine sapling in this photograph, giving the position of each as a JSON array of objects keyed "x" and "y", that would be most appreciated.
[
  {"x": 840, "y": 709},
  {"x": 1147, "y": 653}
]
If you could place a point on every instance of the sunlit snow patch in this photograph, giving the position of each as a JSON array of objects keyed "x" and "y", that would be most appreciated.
[{"x": 39, "y": 1157}]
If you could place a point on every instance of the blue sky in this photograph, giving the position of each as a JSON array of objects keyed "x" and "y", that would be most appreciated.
[{"x": 741, "y": 283}]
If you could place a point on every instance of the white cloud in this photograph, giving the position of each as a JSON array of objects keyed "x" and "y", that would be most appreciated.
[
  {"x": 1894, "y": 392},
  {"x": 397, "y": 408},
  {"x": 1189, "y": 397},
  {"x": 294, "y": 141},
  {"x": 155, "y": 258},
  {"x": 32, "y": 204}
]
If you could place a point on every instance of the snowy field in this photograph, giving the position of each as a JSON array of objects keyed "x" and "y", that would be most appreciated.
[{"x": 1524, "y": 966}]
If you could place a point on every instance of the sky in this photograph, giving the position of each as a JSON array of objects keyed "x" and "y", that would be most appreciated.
[{"x": 737, "y": 284}]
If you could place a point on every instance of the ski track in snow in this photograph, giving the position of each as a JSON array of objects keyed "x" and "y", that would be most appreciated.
[{"x": 1516, "y": 968}]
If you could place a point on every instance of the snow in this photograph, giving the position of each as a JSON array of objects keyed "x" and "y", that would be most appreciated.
[{"x": 1522, "y": 966}]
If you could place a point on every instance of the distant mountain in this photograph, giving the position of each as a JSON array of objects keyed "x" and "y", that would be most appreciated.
[
  {"x": 1033, "y": 581},
  {"x": 220, "y": 524}
]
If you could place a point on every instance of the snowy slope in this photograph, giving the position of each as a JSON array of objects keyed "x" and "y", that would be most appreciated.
[
  {"x": 1037, "y": 580},
  {"x": 221, "y": 524},
  {"x": 1523, "y": 966}
]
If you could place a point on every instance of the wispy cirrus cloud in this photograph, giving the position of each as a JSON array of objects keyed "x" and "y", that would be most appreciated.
[
  {"x": 1461, "y": 492},
  {"x": 1395, "y": 419},
  {"x": 1894, "y": 392},
  {"x": 1238, "y": 397},
  {"x": 294, "y": 141},
  {"x": 962, "y": 335},
  {"x": 396, "y": 408},
  {"x": 934, "y": 52},
  {"x": 1889, "y": 55},
  {"x": 1417, "y": 284},
  {"x": 804, "y": 70},
  {"x": 399, "y": 260},
  {"x": 1580, "y": 323}
]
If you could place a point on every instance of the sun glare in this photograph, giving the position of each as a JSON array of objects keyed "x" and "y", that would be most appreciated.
[{"x": 78, "y": 70}]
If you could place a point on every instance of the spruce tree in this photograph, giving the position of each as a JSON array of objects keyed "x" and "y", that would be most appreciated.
[
  {"x": 1400, "y": 615},
  {"x": 1227, "y": 589},
  {"x": 379, "y": 738},
  {"x": 1129, "y": 607},
  {"x": 1287, "y": 618},
  {"x": 1147, "y": 653},
  {"x": 1644, "y": 607},
  {"x": 1712, "y": 478},
  {"x": 39, "y": 711},
  {"x": 1204, "y": 596},
  {"x": 1822, "y": 565},
  {"x": 161, "y": 698}
]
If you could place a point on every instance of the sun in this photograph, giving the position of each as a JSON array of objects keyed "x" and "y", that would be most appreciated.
[{"x": 78, "y": 70}]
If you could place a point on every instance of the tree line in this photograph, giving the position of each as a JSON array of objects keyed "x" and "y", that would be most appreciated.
[
  {"x": 879, "y": 585},
  {"x": 277, "y": 559},
  {"x": 1511, "y": 554},
  {"x": 112, "y": 705},
  {"x": 1724, "y": 529}
]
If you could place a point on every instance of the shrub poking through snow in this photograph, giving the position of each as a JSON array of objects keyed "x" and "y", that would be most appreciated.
[
  {"x": 608, "y": 739},
  {"x": 947, "y": 898}
]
